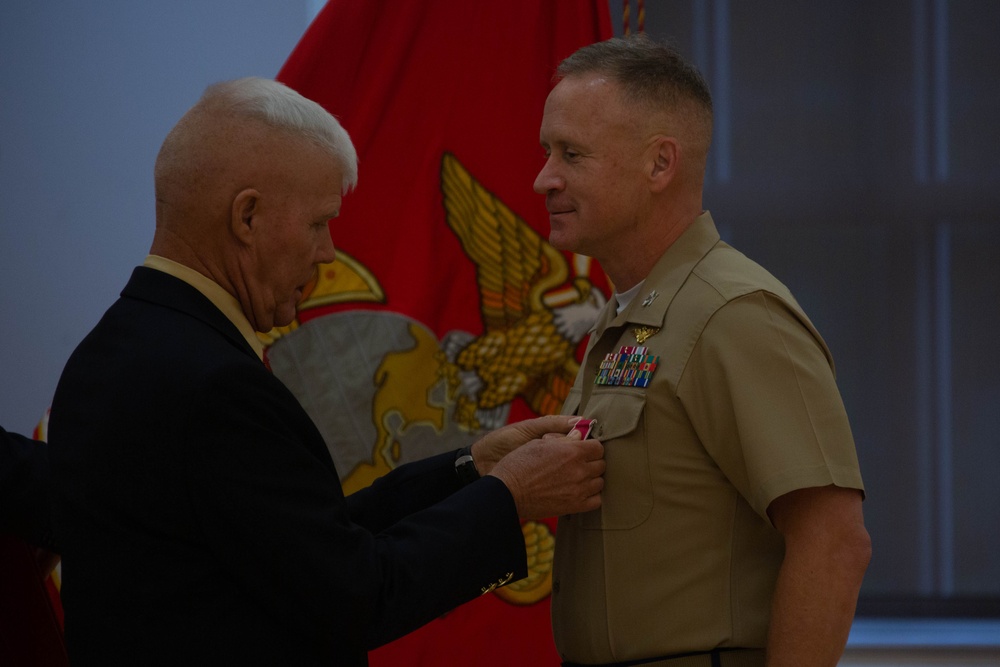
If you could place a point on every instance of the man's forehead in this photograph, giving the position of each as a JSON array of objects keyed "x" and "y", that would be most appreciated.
[
  {"x": 584, "y": 103},
  {"x": 586, "y": 85}
]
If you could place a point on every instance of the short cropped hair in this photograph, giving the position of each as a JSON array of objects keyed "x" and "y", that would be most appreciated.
[
  {"x": 277, "y": 105},
  {"x": 651, "y": 74}
]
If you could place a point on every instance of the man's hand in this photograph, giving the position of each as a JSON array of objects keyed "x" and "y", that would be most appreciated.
[
  {"x": 554, "y": 476},
  {"x": 492, "y": 447}
]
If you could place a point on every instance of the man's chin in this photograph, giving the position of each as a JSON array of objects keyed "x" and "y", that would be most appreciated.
[
  {"x": 284, "y": 316},
  {"x": 284, "y": 320},
  {"x": 561, "y": 241}
]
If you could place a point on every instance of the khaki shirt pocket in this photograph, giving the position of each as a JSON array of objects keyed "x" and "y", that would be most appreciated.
[{"x": 627, "y": 499}]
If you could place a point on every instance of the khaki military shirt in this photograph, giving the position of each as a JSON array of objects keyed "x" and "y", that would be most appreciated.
[{"x": 741, "y": 409}]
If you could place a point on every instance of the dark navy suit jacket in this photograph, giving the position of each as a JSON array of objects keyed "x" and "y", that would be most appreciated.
[
  {"x": 24, "y": 489},
  {"x": 202, "y": 521}
]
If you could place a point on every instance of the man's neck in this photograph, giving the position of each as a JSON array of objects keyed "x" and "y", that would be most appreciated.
[{"x": 630, "y": 266}]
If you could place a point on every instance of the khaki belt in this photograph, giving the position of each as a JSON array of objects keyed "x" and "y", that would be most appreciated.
[{"x": 726, "y": 657}]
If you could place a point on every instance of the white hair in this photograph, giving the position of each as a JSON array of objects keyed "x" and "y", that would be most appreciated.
[{"x": 279, "y": 106}]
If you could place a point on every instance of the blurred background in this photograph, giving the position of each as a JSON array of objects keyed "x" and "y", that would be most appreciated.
[{"x": 856, "y": 156}]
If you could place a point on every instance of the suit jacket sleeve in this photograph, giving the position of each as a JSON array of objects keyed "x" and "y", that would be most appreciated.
[
  {"x": 25, "y": 505},
  {"x": 273, "y": 509},
  {"x": 394, "y": 496}
]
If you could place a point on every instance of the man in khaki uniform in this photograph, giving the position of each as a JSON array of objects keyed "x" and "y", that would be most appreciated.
[{"x": 731, "y": 525}]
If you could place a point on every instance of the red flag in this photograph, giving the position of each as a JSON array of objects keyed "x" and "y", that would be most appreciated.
[{"x": 447, "y": 312}]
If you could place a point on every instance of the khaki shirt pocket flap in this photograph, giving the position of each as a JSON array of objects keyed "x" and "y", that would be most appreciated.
[{"x": 617, "y": 413}]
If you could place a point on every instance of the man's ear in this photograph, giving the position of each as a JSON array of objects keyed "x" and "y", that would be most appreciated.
[
  {"x": 666, "y": 155},
  {"x": 241, "y": 221}
]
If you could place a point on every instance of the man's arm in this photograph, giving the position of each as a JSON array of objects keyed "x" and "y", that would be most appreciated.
[
  {"x": 24, "y": 489},
  {"x": 827, "y": 551},
  {"x": 433, "y": 479}
]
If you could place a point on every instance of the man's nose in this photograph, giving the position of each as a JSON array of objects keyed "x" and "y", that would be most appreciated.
[
  {"x": 326, "y": 253},
  {"x": 547, "y": 180}
]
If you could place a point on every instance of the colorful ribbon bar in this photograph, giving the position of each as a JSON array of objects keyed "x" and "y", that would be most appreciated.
[{"x": 631, "y": 366}]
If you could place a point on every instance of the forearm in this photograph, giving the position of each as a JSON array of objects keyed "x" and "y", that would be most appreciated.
[
  {"x": 812, "y": 611},
  {"x": 827, "y": 550},
  {"x": 407, "y": 489}
]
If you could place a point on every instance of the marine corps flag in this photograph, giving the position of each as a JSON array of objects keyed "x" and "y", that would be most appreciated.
[{"x": 446, "y": 313}]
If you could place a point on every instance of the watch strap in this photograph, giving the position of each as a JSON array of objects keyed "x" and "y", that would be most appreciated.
[{"x": 465, "y": 466}]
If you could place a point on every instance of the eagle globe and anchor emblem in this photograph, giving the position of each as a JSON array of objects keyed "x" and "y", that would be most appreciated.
[{"x": 401, "y": 395}]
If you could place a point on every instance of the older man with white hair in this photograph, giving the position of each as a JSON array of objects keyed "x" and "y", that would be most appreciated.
[{"x": 201, "y": 516}]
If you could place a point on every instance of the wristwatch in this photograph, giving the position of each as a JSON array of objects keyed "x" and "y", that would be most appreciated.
[{"x": 465, "y": 466}]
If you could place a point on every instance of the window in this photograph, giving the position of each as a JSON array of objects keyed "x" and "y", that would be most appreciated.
[{"x": 857, "y": 157}]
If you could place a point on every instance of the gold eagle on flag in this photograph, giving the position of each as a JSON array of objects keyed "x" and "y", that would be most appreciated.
[{"x": 533, "y": 321}]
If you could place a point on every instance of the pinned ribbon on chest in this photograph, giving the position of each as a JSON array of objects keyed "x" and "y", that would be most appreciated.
[{"x": 631, "y": 366}]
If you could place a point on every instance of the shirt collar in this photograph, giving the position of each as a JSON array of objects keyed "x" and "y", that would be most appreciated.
[
  {"x": 649, "y": 307},
  {"x": 212, "y": 291}
]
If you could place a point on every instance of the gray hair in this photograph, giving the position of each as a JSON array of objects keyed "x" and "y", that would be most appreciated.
[
  {"x": 651, "y": 74},
  {"x": 277, "y": 105}
]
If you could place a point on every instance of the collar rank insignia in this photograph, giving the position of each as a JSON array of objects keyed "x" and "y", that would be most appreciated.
[
  {"x": 649, "y": 299},
  {"x": 642, "y": 333}
]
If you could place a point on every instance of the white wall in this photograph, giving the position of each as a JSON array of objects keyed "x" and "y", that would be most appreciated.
[{"x": 88, "y": 90}]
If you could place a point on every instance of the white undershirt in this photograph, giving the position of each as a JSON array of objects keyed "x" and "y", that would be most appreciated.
[{"x": 625, "y": 298}]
